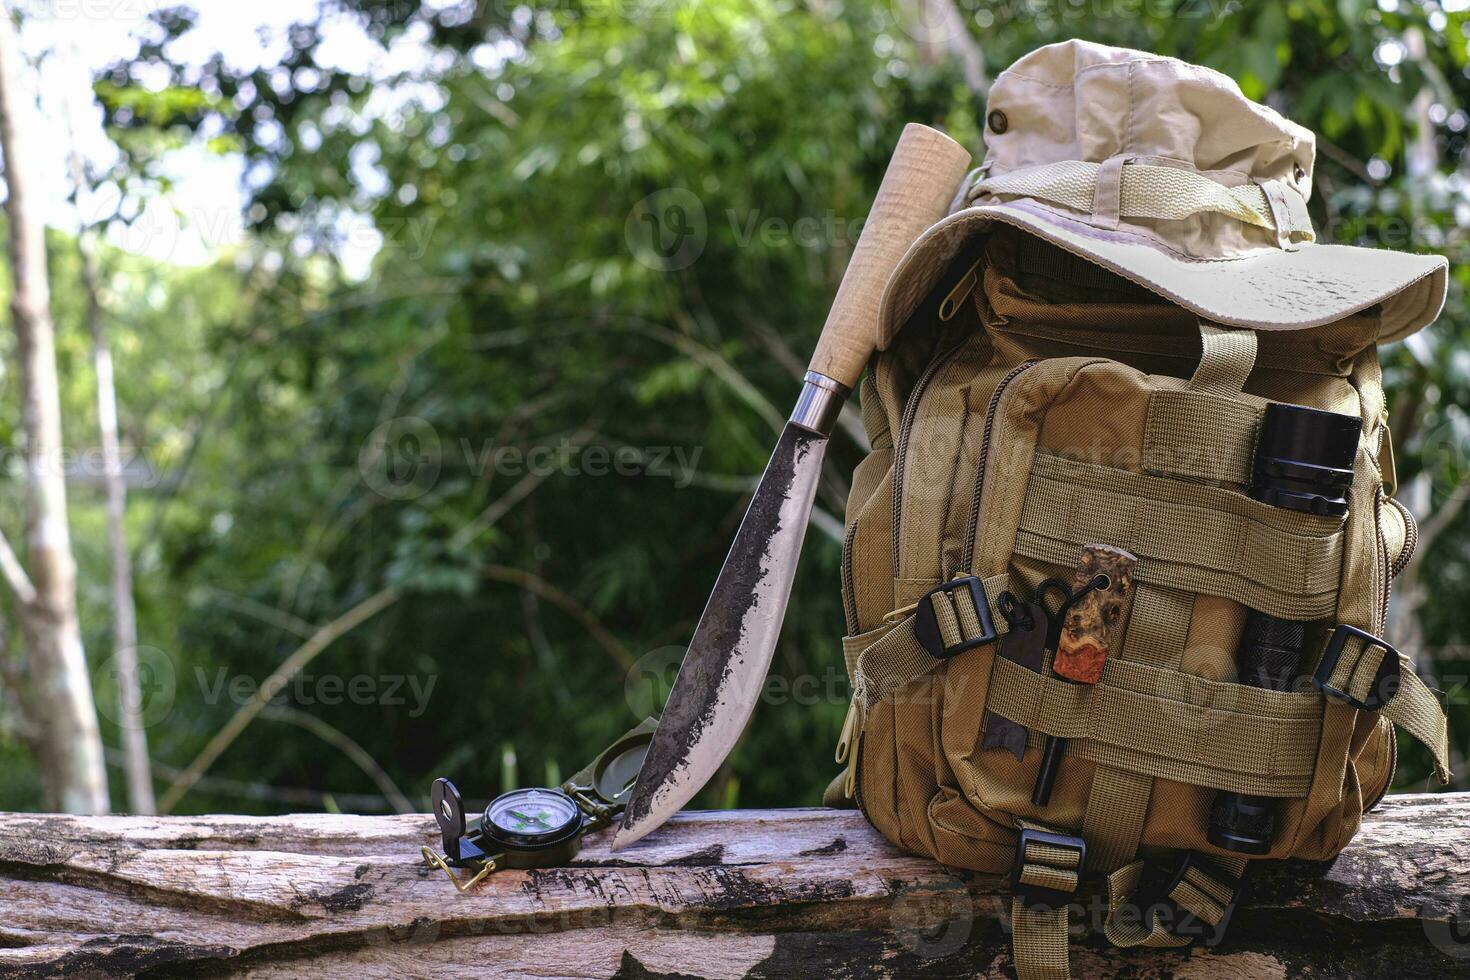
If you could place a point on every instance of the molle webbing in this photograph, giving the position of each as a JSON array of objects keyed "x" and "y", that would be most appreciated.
[
  {"x": 1192, "y": 538},
  {"x": 1219, "y": 734},
  {"x": 1158, "y": 626},
  {"x": 1216, "y": 734},
  {"x": 1206, "y": 895},
  {"x": 1198, "y": 436}
]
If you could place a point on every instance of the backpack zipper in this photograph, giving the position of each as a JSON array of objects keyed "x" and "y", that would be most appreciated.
[
  {"x": 900, "y": 457},
  {"x": 1392, "y": 566},
  {"x": 991, "y": 410},
  {"x": 1384, "y": 562},
  {"x": 849, "y": 597},
  {"x": 1411, "y": 539}
]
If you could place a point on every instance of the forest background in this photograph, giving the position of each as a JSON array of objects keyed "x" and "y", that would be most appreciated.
[{"x": 443, "y": 411}]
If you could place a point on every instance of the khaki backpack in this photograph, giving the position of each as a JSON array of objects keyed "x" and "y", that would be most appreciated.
[
  {"x": 1037, "y": 404},
  {"x": 1073, "y": 371}
]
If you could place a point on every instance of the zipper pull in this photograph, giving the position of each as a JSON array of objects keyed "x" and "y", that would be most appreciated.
[
  {"x": 1386, "y": 461},
  {"x": 951, "y": 303},
  {"x": 849, "y": 724},
  {"x": 852, "y": 730}
]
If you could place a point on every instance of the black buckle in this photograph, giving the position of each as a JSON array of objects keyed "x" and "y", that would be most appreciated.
[
  {"x": 926, "y": 624},
  {"x": 1037, "y": 896},
  {"x": 1184, "y": 923},
  {"x": 1385, "y": 683}
]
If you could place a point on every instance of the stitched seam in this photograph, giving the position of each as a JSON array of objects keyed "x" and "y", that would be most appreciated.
[
  {"x": 1034, "y": 81},
  {"x": 1128, "y": 123},
  {"x": 1131, "y": 62}
]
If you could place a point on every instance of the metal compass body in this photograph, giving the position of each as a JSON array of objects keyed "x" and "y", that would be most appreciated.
[
  {"x": 536, "y": 828},
  {"x": 533, "y": 827}
]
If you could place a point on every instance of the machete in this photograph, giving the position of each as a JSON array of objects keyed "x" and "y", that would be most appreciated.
[{"x": 725, "y": 667}]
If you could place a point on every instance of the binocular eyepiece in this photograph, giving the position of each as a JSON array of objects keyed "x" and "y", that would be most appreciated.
[{"x": 1304, "y": 462}]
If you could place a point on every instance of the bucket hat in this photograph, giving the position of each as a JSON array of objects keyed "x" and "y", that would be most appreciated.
[{"x": 1166, "y": 174}]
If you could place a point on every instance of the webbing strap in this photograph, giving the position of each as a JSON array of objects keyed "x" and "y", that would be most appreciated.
[
  {"x": 1201, "y": 893},
  {"x": 1192, "y": 538},
  {"x": 855, "y": 645},
  {"x": 1163, "y": 723},
  {"x": 894, "y": 657},
  {"x": 1413, "y": 707},
  {"x": 1200, "y": 436},
  {"x": 1158, "y": 626},
  {"x": 1039, "y": 934},
  {"x": 1113, "y": 822},
  {"x": 1117, "y": 802},
  {"x": 1150, "y": 191},
  {"x": 1039, "y": 942},
  {"x": 1226, "y": 358}
]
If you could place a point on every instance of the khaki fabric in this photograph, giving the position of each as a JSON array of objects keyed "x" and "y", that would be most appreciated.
[
  {"x": 1062, "y": 405},
  {"x": 1166, "y": 174}
]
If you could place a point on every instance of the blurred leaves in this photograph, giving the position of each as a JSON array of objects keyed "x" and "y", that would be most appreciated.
[{"x": 513, "y": 305}]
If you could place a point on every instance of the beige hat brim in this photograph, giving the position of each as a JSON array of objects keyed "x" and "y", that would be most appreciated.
[{"x": 1268, "y": 290}]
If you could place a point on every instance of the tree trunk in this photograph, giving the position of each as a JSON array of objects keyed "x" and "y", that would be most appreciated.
[
  {"x": 131, "y": 728},
  {"x": 740, "y": 893},
  {"x": 59, "y": 689}
]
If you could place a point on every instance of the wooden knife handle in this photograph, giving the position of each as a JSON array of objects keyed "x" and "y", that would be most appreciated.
[
  {"x": 1092, "y": 623},
  {"x": 921, "y": 180}
]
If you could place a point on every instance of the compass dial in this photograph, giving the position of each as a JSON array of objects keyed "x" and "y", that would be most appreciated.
[{"x": 532, "y": 816}]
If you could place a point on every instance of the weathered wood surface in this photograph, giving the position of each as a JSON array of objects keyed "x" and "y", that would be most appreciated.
[{"x": 788, "y": 893}]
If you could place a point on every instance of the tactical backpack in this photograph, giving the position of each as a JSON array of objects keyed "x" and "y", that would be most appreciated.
[{"x": 1036, "y": 404}]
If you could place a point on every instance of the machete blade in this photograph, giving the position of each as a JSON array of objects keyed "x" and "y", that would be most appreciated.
[{"x": 725, "y": 667}]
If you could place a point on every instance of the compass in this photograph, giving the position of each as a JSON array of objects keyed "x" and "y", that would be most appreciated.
[
  {"x": 532, "y": 819},
  {"x": 539, "y": 827}
]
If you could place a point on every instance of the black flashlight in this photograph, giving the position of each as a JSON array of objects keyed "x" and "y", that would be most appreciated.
[{"x": 1304, "y": 462}]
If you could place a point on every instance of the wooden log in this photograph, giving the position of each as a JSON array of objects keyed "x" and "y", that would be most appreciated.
[{"x": 768, "y": 893}]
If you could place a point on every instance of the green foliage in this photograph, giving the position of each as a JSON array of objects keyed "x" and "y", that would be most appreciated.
[{"x": 518, "y": 311}]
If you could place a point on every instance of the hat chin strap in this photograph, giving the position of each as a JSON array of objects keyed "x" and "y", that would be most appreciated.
[{"x": 1140, "y": 190}]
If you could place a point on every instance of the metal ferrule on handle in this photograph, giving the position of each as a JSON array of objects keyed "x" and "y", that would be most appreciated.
[{"x": 819, "y": 404}]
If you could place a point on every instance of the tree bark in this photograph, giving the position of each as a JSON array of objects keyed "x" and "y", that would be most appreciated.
[
  {"x": 131, "y": 728},
  {"x": 59, "y": 689},
  {"x": 752, "y": 893}
]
